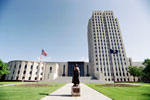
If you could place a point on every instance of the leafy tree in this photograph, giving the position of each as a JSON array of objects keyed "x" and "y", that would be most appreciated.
[
  {"x": 146, "y": 70},
  {"x": 3, "y": 69},
  {"x": 135, "y": 71}
]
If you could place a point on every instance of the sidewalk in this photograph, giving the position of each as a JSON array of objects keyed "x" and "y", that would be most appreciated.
[
  {"x": 7, "y": 85},
  {"x": 10, "y": 84},
  {"x": 64, "y": 93}
]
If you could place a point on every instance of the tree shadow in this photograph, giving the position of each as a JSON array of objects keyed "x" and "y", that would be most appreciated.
[
  {"x": 148, "y": 94},
  {"x": 43, "y": 93},
  {"x": 65, "y": 95}
]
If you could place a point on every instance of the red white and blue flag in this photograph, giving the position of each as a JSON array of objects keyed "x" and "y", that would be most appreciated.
[{"x": 44, "y": 53}]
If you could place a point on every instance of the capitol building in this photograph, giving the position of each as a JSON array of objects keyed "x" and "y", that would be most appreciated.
[{"x": 103, "y": 35}]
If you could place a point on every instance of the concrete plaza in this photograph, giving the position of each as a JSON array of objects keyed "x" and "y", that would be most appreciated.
[{"x": 87, "y": 93}]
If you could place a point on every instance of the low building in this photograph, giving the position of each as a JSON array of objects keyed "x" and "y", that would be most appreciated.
[{"x": 32, "y": 71}]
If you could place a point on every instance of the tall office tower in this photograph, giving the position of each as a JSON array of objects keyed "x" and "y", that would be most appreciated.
[{"x": 104, "y": 34}]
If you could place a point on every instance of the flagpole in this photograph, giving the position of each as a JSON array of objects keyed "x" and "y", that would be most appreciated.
[
  {"x": 38, "y": 73},
  {"x": 112, "y": 67},
  {"x": 41, "y": 58},
  {"x": 40, "y": 65}
]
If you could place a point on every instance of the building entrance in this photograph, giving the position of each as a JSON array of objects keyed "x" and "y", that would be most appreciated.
[{"x": 71, "y": 66}]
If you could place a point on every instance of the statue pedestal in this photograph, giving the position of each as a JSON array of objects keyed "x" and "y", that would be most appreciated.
[{"x": 75, "y": 91}]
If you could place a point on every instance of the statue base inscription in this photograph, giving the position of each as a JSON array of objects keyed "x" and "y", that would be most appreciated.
[{"x": 75, "y": 91}]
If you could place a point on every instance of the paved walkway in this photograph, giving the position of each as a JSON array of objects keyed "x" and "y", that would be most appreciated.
[
  {"x": 7, "y": 85},
  {"x": 11, "y": 84},
  {"x": 64, "y": 93}
]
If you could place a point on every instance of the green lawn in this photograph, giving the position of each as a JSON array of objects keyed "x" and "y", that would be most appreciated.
[
  {"x": 124, "y": 93},
  {"x": 27, "y": 93}
]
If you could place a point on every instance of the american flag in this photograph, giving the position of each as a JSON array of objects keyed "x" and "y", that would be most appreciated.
[{"x": 44, "y": 53}]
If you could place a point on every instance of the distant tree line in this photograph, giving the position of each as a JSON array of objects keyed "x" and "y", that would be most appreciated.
[
  {"x": 143, "y": 73},
  {"x": 4, "y": 69}
]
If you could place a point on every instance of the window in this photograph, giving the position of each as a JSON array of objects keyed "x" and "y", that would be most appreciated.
[
  {"x": 127, "y": 74},
  {"x": 97, "y": 69},
  {"x": 37, "y": 67},
  {"x": 120, "y": 79},
  {"x": 31, "y": 66},
  {"x": 23, "y": 78},
  {"x": 116, "y": 74},
  {"x": 13, "y": 71},
  {"x": 117, "y": 79},
  {"x": 24, "y": 72},
  {"x": 25, "y": 66},
  {"x": 20, "y": 66},
  {"x": 50, "y": 69},
  {"x": 108, "y": 74},
  {"x": 14, "y": 66}
]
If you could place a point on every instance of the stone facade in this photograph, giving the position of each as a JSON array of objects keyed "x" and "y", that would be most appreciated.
[
  {"x": 104, "y": 34},
  {"x": 32, "y": 71}
]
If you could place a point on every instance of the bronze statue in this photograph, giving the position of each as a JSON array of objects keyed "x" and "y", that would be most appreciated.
[{"x": 76, "y": 75}]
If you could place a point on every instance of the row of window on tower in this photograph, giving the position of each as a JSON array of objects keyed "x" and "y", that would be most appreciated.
[
  {"x": 105, "y": 20},
  {"x": 104, "y": 24},
  {"x": 109, "y": 28},
  {"x": 118, "y": 71},
  {"x": 104, "y": 17},
  {"x": 105, "y": 13}
]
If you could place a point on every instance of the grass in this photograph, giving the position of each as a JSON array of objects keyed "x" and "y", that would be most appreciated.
[
  {"x": 27, "y": 93},
  {"x": 124, "y": 93}
]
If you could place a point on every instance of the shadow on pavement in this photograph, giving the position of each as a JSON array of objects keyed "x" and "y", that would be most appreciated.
[{"x": 65, "y": 95}]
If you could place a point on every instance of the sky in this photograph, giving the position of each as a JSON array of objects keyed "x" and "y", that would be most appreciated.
[{"x": 60, "y": 28}]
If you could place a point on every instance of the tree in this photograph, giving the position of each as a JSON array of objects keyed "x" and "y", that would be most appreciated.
[
  {"x": 146, "y": 70},
  {"x": 3, "y": 69},
  {"x": 135, "y": 71}
]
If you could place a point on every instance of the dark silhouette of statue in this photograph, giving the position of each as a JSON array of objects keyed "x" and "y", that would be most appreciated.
[{"x": 76, "y": 75}]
